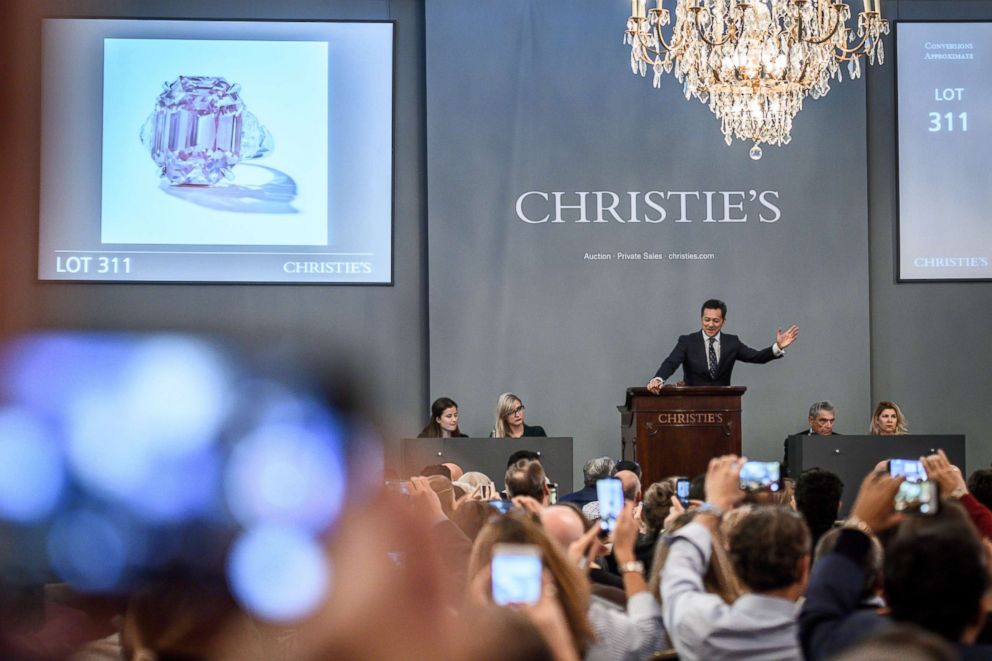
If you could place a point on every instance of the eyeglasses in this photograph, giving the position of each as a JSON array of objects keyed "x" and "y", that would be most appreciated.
[{"x": 519, "y": 409}]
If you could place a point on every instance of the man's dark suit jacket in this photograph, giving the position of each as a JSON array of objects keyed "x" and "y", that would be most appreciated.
[
  {"x": 690, "y": 354},
  {"x": 582, "y": 497},
  {"x": 832, "y": 620}
]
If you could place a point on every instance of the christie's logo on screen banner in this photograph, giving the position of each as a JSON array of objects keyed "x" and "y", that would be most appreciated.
[
  {"x": 653, "y": 207},
  {"x": 321, "y": 268},
  {"x": 951, "y": 262}
]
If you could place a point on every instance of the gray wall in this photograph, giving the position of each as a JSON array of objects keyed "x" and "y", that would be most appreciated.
[
  {"x": 380, "y": 329},
  {"x": 520, "y": 303},
  {"x": 930, "y": 350}
]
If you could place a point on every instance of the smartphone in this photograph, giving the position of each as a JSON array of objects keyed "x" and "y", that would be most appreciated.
[
  {"x": 486, "y": 491},
  {"x": 401, "y": 487},
  {"x": 503, "y": 506},
  {"x": 609, "y": 492},
  {"x": 911, "y": 469},
  {"x": 918, "y": 498},
  {"x": 761, "y": 476},
  {"x": 682, "y": 490},
  {"x": 553, "y": 493},
  {"x": 516, "y": 573}
]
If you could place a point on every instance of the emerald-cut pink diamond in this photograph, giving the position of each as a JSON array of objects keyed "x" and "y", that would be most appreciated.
[{"x": 200, "y": 130}]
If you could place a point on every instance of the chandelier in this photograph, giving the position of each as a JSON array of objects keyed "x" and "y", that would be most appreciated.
[{"x": 754, "y": 61}]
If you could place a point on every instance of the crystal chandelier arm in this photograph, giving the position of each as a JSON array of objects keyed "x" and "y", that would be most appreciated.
[
  {"x": 702, "y": 35},
  {"x": 666, "y": 49},
  {"x": 846, "y": 54},
  {"x": 644, "y": 54},
  {"x": 830, "y": 34},
  {"x": 669, "y": 47}
]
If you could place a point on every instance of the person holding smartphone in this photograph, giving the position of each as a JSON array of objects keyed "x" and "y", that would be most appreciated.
[
  {"x": 761, "y": 623},
  {"x": 935, "y": 575},
  {"x": 567, "y": 585},
  {"x": 953, "y": 486}
]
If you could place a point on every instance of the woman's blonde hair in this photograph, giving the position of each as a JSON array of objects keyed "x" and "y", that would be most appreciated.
[
  {"x": 506, "y": 403},
  {"x": 571, "y": 584},
  {"x": 902, "y": 426}
]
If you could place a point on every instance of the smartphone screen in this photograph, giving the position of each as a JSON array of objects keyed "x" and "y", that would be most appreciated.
[
  {"x": 682, "y": 491},
  {"x": 609, "y": 492},
  {"x": 553, "y": 493},
  {"x": 401, "y": 487},
  {"x": 911, "y": 469},
  {"x": 516, "y": 571},
  {"x": 917, "y": 498},
  {"x": 761, "y": 476},
  {"x": 503, "y": 506}
]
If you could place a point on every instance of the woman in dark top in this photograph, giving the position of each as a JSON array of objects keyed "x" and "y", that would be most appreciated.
[
  {"x": 510, "y": 419},
  {"x": 444, "y": 420}
]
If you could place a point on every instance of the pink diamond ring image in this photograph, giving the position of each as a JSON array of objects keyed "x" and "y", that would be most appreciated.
[{"x": 200, "y": 129}]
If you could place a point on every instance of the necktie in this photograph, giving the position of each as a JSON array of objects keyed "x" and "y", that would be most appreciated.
[{"x": 712, "y": 357}]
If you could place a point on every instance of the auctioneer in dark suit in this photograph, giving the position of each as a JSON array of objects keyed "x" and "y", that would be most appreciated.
[{"x": 690, "y": 353}]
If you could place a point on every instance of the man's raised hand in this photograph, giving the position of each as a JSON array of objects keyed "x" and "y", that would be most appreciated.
[{"x": 787, "y": 337}]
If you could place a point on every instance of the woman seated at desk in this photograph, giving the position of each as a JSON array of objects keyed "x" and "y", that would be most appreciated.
[
  {"x": 888, "y": 420},
  {"x": 510, "y": 419},
  {"x": 444, "y": 420}
]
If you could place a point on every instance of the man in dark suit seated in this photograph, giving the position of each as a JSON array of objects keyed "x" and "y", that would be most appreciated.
[
  {"x": 821, "y": 423},
  {"x": 707, "y": 358},
  {"x": 592, "y": 471}
]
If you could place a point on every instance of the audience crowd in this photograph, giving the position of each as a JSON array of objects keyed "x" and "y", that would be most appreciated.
[{"x": 724, "y": 574}]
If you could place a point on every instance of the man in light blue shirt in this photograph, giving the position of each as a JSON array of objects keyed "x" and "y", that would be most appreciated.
[{"x": 770, "y": 553}]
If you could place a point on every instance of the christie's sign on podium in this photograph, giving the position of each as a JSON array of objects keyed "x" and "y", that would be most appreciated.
[{"x": 680, "y": 430}]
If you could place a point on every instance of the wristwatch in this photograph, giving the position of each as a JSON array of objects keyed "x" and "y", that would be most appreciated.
[
  {"x": 856, "y": 523},
  {"x": 633, "y": 566},
  {"x": 711, "y": 508}
]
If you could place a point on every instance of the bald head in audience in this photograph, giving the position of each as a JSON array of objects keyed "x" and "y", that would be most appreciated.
[
  {"x": 631, "y": 486},
  {"x": 526, "y": 478},
  {"x": 456, "y": 471},
  {"x": 563, "y": 523}
]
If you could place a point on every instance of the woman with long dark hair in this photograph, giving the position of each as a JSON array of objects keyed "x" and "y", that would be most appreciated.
[{"x": 444, "y": 420}]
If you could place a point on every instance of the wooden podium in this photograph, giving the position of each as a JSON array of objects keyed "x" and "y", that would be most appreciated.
[{"x": 680, "y": 430}]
